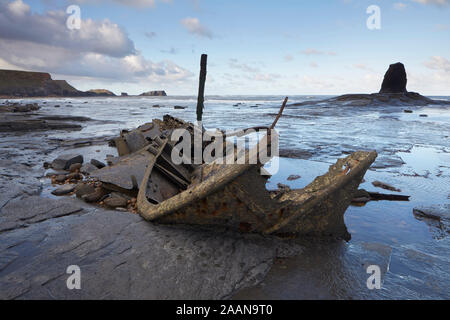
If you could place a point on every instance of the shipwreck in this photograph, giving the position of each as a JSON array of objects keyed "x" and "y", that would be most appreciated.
[{"x": 145, "y": 180}]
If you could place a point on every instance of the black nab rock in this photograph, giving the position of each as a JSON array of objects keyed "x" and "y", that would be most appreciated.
[{"x": 394, "y": 79}]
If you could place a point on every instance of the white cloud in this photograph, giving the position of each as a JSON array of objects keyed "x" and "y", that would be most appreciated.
[
  {"x": 438, "y": 63},
  {"x": 105, "y": 37},
  {"x": 235, "y": 64},
  {"x": 129, "y": 3},
  {"x": 18, "y": 8},
  {"x": 288, "y": 58},
  {"x": 435, "y": 2},
  {"x": 192, "y": 25},
  {"x": 400, "y": 6},
  {"x": 312, "y": 52},
  {"x": 100, "y": 49}
]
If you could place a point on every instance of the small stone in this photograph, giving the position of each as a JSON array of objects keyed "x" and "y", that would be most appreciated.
[
  {"x": 65, "y": 189},
  {"x": 83, "y": 189},
  {"x": 97, "y": 163},
  {"x": 407, "y": 111},
  {"x": 116, "y": 201},
  {"x": 293, "y": 177},
  {"x": 423, "y": 115},
  {"x": 74, "y": 176},
  {"x": 96, "y": 196},
  {"x": 60, "y": 178},
  {"x": 179, "y": 107},
  {"x": 63, "y": 162},
  {"x": 88, "y": 168},
  {"x": 74, "y": 167}
]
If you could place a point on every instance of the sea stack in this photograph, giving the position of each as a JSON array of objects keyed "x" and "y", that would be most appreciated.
[{"x": 394, "y": 79}]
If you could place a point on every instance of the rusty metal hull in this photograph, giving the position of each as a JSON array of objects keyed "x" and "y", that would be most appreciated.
[{"x": 235, "y": 196}]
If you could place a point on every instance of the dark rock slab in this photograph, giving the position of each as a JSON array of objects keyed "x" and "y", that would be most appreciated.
[
  {"x": 97, "y": 163},
  {"x": 23, "y": 211},
  {"x": 122, "y": 256}
]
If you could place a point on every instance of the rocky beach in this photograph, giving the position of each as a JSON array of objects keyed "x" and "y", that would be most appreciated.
[{"x": 123, "y": 256}]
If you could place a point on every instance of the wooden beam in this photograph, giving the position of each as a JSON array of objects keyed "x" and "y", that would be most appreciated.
[{"x": 201, "y": 87}]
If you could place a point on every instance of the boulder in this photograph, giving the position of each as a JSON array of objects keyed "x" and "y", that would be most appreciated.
[
  {"x": 88, "y": 168},
  {"x": 97, "y": 163},
  {"x": 74, "y": 167},
  {"x": 63, "y": 162},
  {"x": 83, "y": 189},
  {"x": 394, "y": 79}
]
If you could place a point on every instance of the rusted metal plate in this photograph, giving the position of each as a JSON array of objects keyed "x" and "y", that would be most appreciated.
[{"x": 159, "y": 188}]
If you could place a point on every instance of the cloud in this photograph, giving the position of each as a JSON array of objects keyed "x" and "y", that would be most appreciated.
[
  {"x": 313, "y": 65},
  {"x": 235, "y": 64},
  {"x": 400, "y": 6},
  {"x": 310, "y": 52},
  {"x": 129, "y": 3},
  {"x": 313, "y": 52},
  {"x": 150, "y": 34},
  {"x": 251, "y": 73},
  {"x": 18, "y": 23},
  {"x": 362, "y": 66},
  {"x": 288, "y": 58},
  {"x": 100, "y": 49},
  {"x": 192, "y": 25},
  {"x": 434, "y": 2},
  {"x": 438, "y": 63}
]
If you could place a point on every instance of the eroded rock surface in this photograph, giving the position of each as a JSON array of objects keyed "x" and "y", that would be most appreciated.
[{"x": 123, "y": 257}]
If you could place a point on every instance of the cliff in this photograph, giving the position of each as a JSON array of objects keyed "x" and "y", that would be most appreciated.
[{"x": 15, "y": 83}]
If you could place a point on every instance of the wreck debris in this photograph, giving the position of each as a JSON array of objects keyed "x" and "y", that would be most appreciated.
[
  {"x": 385, "y": 186},
  {"x": 362, "y": 196},
  {"x": 144, "y": 179}
]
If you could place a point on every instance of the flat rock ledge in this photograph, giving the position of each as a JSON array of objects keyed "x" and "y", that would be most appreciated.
[
  {"x": 377, "y": 99},
  {"x": 122, "y": 256}
]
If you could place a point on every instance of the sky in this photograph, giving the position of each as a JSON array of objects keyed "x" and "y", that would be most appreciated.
[{"x": 254, "y": 47}]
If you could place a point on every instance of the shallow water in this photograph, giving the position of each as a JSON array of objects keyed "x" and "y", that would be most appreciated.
[{"x": 414, "y": 155}]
